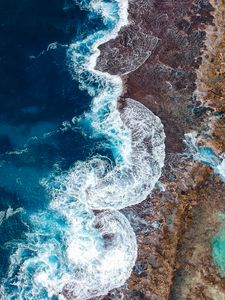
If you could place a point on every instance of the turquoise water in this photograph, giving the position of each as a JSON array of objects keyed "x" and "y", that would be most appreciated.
[
  {"x": 218, "y": 247},
  {"x": 218, "y": 251}
]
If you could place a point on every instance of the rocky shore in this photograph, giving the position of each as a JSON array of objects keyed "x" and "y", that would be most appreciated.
[{"x": 172, "y": 59}]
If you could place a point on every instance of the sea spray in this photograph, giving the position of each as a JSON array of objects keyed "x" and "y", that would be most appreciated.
[{"x": 73, "y": 252}]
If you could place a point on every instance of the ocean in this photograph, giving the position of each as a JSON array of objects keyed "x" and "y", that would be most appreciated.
[{"x": 70, "y": 161}]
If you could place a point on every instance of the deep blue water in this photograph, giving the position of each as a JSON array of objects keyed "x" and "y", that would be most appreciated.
[
  {"x": 69, "y": 160},
  {"x": 52, "y": 154},
  {"x": 37, "y": 94}
]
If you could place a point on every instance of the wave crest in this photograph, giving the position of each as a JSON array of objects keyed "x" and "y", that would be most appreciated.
[
  {"x": 108, "y": 262},
  {"x": 85, "y": 257},
  {"x": 100, "y": 185}
]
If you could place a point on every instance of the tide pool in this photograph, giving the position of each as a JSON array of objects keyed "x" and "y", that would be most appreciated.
[{"x": 218, "y": 247}]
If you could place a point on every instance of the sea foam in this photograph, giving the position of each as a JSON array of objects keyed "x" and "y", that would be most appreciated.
[
  {"x": 100, "y": 185},
  {"x": 72, "y": 251}
]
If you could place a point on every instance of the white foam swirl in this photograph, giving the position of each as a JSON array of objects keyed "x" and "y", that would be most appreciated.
[
  {"x": 85, "y": 257},
  {"x": 106, "y": 267},
  {"x": 100, "y": 185},
  {"x": 73, "y": 253}
]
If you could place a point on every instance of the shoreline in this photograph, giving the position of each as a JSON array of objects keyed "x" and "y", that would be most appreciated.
[{"x": 188, "y": 204}]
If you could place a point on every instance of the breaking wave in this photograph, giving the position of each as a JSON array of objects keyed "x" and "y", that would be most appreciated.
[
  {"x": 77, "y": 257},
  {"x": 73, "y": 252},
  {"x": 100, "y": 184}
]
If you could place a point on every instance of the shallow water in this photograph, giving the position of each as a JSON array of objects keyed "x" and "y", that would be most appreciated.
[{"x": 218, "y": 246}]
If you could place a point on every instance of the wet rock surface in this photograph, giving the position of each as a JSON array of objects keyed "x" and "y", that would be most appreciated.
[
  {"x": 126, "y": 51},
  {"x": 195, "y": 274},
  {"x": 171, "y": 58},
  {"x": 165, "y": 82}
]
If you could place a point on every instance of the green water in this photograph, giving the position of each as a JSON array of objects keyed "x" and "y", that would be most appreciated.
[{"x": 218, "y": 247}]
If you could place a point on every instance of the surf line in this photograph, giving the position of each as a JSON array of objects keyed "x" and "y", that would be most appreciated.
[
  {"x": 97, "y": 184},
  {"x": 78, "y": 253}
]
